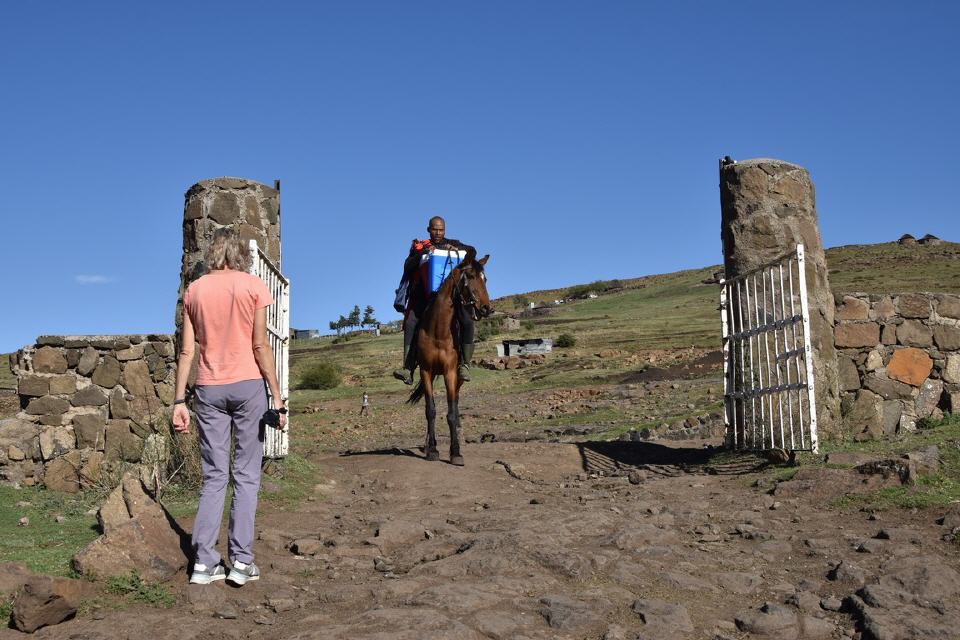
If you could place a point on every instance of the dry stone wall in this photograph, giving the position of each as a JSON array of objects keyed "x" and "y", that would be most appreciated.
[
  {"x": 86, "y": 401},
  {"x": 899, "y": 360}
]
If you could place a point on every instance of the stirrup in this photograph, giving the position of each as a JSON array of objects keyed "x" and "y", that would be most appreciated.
[
  {"x": 464, "y": 372},
  {"x": 404, "y": 375}
]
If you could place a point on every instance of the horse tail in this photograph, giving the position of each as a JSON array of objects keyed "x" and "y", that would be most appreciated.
[{"x": 416, "y": 394}]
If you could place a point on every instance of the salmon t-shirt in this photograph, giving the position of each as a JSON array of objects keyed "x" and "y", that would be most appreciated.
[{"x": 221, "y": 306}]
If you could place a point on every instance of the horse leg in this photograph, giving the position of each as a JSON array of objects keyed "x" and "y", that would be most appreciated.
[
  {"x": 430, "y": 448},
  {"x": 450, "y": 379}
]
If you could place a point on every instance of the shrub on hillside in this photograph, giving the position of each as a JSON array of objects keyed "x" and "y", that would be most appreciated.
[
  {"x": 564, "y": 340},
  {"x": 488, "y": 327},
  {"x": 324, "y": 375}
]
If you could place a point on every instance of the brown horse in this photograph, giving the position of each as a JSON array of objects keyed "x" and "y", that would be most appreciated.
[{"x": 465, "y": 288}]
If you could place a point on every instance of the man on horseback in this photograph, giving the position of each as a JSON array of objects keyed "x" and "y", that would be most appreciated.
[{"x": 419, "y": 295}]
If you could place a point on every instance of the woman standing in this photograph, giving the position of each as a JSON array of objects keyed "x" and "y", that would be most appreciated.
[{"x": 225, "y": 313}]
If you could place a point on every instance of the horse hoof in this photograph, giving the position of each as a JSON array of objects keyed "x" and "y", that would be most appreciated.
[
  {"x": 456, "y": 461},
  {"x": 433, "y": 456}
]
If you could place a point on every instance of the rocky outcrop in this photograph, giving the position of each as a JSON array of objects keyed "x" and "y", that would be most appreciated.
[
  {"x": 138, "y": 535},
  {"x": 45, "y": 601}
]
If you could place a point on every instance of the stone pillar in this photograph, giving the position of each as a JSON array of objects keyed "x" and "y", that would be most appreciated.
[
  {"x": 250, "y": 207},
  {"x": 768, "y": 207}
]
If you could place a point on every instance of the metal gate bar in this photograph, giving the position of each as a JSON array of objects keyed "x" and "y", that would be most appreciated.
[
  {"x": 275, "y": 441},
  {"x": 768, "y": 383}
]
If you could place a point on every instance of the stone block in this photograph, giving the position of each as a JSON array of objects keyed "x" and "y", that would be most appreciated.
[
  {"x": 15, "y": 453},
  {"x": 908, "y": 419},
  {"x": 888, "y": 335},
  {"x": 946, "y": 338},
  {"x": 33, "y": 386},
  {"x": 136, "y": 378},
  {"x": 892, "y": 410},
  {"x": 194, "y": 209},
  {"x": 853, "y": 309},
  {"x": 874, "y": 361},
  {"x": 948, "y": 306},
  {"x": 90, "y": 430},
  {"x": 91, "y": 396},
  {"x": 928, "y": 398},
  {"x": 121, "y": 443},
  {"x": 107, "y": 373},
  {"x": 914, "y": 305},
  {"x": 53, "y": 341},
  {"x": 110, "y": 342},
  {"x": 56, "y": 441},
  {"x": 856, "y": 335},
  {"x": 45, "y": 601},
  {"x": 90, "y": 472},
  {"x": 849, "y": 377},
  {"x": 951, "y": 371},
  {"x": 63, "y": 473},
  {"x": 888, "y": 389},
  {"x": 73, "y": 357},
  {"x": 133, "y": 352},
  {"x": 49, "y": 360},
  {"x": 164, "y": 349},
  {"x": 224, "y": 209},
  {"x": 65, "y": 384},
  {"x": 953, "y": 402},
  {"x": 88, "y": 361},
  {"x": 913, "y": 333},
  {"x": 47, "y": 405},
  {"x": 884, "y": 308},
  {"x": 865, "y": 418},
  {"x": 910, "y": 365}
]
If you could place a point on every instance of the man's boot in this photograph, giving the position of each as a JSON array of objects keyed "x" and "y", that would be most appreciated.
[
  {"x": 405, "y": 373},
  {"x": 465, "y": 357}
]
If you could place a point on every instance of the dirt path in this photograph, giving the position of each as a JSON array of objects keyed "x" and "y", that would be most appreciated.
[{"x": 538, "y": 541}]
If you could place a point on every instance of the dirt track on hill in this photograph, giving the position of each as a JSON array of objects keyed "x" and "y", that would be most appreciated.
[{"x": 547, "y": 540}]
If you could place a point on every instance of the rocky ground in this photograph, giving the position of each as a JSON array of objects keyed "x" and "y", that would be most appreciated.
[{"x": 573, "y": 540}]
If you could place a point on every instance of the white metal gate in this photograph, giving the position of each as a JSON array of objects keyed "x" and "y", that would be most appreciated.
[
  {"x": 768, "y": 386},
  {"x": 275, "y": 441}
]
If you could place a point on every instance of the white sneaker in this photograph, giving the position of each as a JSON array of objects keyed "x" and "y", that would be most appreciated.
[
  {"x": 203, "y": 575},
  {"x": 241, "y": 574}
]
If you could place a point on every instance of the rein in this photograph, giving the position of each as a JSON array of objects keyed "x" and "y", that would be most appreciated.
[{"x": 464, "y": 295}]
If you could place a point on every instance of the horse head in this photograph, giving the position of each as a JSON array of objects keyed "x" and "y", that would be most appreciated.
[{"x": 472, "y": 286}]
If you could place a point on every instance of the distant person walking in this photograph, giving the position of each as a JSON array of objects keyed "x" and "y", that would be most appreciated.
[
  {"x": 225, "y": 312},
  {"x": 365, "y": 404}
]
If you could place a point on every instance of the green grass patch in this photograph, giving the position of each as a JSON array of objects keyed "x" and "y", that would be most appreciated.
[
  {"x": 134, "y": 589},
  {"x": 936, "y": 490},
  {"x": 44, "y": 545},
  {"x": 295, "y": 477}
]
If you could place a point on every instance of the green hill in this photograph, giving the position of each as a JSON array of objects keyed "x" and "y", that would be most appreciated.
[{"x": 642, "y": 329}]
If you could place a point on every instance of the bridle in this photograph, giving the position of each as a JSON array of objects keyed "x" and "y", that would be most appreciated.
[{"x": 463, "y": 294}]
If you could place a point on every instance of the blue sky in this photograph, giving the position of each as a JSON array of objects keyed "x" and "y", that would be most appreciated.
[{"x": 572, "y": 141}]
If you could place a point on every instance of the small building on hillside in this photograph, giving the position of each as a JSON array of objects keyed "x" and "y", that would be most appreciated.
[
  {"x": 524, "y": 347},
  {"x": 305, "y": 334}
]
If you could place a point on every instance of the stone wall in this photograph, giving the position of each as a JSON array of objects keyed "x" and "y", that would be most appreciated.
[
  {"x": 898, "y": 358},
  {"x": 85, "y": 401}
]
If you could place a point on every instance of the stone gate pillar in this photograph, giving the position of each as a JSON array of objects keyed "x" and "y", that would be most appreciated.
[
  {"x": 250, "y": 207},
  {"x": 768, "y": 207}
]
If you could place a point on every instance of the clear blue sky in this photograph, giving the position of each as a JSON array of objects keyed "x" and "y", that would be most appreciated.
[{"x": 570, "y": 140}]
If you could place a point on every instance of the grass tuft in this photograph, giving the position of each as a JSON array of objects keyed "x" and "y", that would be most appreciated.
[{"x": 133, "y": 588}]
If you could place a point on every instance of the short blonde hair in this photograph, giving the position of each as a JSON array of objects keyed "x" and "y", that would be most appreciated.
[{"x": 227, "y": 251}]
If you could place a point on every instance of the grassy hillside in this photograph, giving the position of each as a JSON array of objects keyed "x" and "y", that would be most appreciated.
[{"x": 639, "y": 330}]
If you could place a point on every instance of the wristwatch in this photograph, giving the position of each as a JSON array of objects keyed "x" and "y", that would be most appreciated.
[{"x": 282, "y": 410}]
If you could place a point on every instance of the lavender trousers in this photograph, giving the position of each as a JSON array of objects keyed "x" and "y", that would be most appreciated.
[{"x": 222, "y": 408}]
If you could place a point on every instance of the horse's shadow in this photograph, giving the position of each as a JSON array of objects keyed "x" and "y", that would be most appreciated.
[{"x": 391, "y": 451}]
